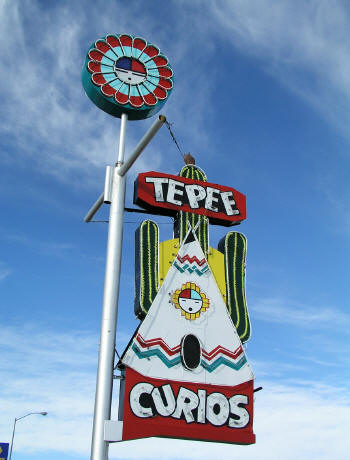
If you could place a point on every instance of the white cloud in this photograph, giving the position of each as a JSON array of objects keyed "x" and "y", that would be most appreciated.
[
  {"x": 48, "y": 248},
  {"x": 304, "y": 45},
  {"x": 280, "y": 310},
  {"x": 5, "y": 271}
]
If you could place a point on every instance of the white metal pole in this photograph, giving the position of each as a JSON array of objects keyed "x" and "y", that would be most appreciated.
[
  {"x": 104, "y": 384},
  {"x": 13, "y": 435}
]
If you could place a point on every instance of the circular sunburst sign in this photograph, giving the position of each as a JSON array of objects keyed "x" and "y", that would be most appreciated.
[
  {"x": 126, "y": 74},
  {"x": 190, "y": 300}
]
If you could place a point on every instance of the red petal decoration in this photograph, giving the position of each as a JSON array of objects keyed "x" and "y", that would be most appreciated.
[
  {"x": 113, "y": 41},
  {"x": 139, "y": 43},
  {"x": 107, "y": 90},
  {"x": 94, "y": 67},
  {"x": 165, "y": 72},
  {"x": 160, "y": 60},
  {"x": 102, "y": 46},
  {"x": 95, "y": 55},
  {"x": 136, "y": 101},
  {"x": 166, "y": 84},
  {"x": 121, "y": 98},
  {"x": 98, "y": 79},
  {"x": 151, "y": 51},
  {"x": 160, "y": 93},
  {"x": 150, "y": 99},
  {"x": 125, "y": 40}
]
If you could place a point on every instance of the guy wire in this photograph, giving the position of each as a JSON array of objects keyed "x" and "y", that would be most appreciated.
[{"x": 173, "y": 137}]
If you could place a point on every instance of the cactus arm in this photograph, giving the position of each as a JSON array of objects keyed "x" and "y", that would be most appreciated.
[
  {"x": 234, "y": 248},
  {"x": 146, "y": 266}
]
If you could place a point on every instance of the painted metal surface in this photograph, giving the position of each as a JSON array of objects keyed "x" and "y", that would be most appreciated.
[
  {"x": 170, "y": 194},
  {"x": 166, "y": 408},
  {"x": 187, "y": 374},
  {"x": 189, "y": 302},
  {"x": 126, "y": 74}
]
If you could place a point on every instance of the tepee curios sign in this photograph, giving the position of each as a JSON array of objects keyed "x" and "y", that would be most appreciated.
[{"x": 186, "y": 374}]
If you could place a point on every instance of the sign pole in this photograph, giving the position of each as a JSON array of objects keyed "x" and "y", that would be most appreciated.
[{"x": 104, "y": 384}]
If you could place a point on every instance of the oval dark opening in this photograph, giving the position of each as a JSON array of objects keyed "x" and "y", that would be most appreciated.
[{"x": 190, "y": 352}]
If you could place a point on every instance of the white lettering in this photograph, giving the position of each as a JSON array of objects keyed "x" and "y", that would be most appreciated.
[
  {"x": 202, "y": 394},
  {"x": 218, "y": 409},
  {"x": 147, "y": 400},
  {"x": 229, "y": 203},
  {"x": 241, "y": 415},
  {"x": 162, "y": 409},
  {"x": 211, "y": 199},
  {"x": 172, "y": 191},
  {"x": 187, "y": 401},
  {"x": 195, "y": 193},
  {"x": 135, "y": 397},
  {"x": 158, "y": 189}
]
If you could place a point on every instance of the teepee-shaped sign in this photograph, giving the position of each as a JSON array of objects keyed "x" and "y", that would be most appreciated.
[{"x": 186, "y": 373}]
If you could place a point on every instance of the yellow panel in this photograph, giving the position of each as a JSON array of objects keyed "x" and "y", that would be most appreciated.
[
  {"x": 216, "y": 262},
  {"x": 168, "y": 250}
]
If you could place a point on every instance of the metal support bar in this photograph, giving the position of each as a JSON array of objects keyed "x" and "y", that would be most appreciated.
[
  {"x": 142, "y": 145},
  {"x": 133, "y": 157},
  {"x": 94, "y": 208}
]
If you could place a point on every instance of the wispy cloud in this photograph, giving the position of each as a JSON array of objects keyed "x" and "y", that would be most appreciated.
[
  {"x": 305, "y": 45},
  {"x": 5, "y": 271},
  {"x": 286, "y": 311},
  {"x": 48, "y": 248}
]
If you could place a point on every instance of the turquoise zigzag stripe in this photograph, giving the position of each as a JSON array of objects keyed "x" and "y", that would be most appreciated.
[
  {"x": 156, "y": 352},
  {"x": 225, "y": 362},
  {"x": 173, "y": 362},
  {"x": 191, "y": 270}
]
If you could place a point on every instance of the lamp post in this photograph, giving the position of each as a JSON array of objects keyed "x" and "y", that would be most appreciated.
[{"x": 14, "y": 427}]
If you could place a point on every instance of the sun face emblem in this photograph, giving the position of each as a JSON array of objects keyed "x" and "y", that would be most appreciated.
[
  {"x": 126, "y": 74},
  {"x": 190, "y": 300}
]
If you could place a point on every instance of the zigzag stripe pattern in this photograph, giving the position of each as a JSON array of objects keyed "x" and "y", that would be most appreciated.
[
  {"x": 191, "y": 269},
  {"x": 149, "y": 343},
  {"x": 156, "y": 352},
  {"x": 223, "y": 351},
  {"x": 190, "y": 259},
  {"x": 225, "y": 362},
  {"x": 157, "y": 347}
]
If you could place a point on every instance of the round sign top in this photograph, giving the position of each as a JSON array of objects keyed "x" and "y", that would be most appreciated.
[{"x": 126, "y": 74}]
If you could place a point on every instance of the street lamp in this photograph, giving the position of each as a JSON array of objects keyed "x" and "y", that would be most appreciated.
[{"x": 14, "y": 427}]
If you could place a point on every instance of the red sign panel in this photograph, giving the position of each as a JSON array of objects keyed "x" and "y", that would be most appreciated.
[
  {"x": 165, "y": 408},
  {"x": 168, "y": 194}
]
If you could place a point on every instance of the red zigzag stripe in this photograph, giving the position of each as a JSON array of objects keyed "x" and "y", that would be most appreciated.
[
  {"x": 173, "y": 351},
  {"x": 190, "y": 259}
]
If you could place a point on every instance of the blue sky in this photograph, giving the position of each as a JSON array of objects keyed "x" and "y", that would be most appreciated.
[{"x": 262, "y": 100}]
